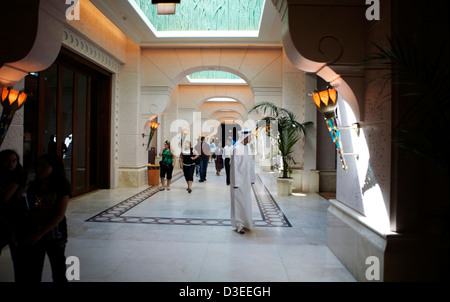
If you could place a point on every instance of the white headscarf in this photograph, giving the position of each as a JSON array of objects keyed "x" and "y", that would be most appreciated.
[{"x": 243, "y": 134}]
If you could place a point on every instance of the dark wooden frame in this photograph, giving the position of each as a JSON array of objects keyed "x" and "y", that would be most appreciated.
[{"x": 102, "y": 120}]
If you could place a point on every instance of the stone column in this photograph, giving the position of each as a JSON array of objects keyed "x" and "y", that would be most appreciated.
[
  {"x": 273, "y": 95},
  {"x": 310, "y": 143},
  {"x": 296, "y": 87},
  {"x": 156, "y": 100},
  {"x": 131, "y": 168}
]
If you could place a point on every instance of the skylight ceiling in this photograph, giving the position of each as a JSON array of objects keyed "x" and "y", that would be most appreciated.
[
  {"x": 214, "y": 77},
  {"x": 196, "y": 22},
  {"x": 205, "y": 18},
  {"x": 222, "y": 100}
]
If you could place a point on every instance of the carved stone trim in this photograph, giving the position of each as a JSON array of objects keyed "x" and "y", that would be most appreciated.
[{"x": 86, "y": 49}]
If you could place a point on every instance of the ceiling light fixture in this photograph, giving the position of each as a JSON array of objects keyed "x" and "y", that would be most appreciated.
[{"x": 166, "y": 7}]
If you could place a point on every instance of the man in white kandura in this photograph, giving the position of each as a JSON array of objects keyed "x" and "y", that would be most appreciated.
[{"x": 242, "y": 177}]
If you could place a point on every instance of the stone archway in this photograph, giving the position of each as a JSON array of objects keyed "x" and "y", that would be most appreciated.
[
  {"x": 162, "y": 70},
  {"x": 332, "y": 50}
]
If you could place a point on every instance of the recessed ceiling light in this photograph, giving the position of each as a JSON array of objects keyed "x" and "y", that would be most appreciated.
[{"x": 226, "y": 100}]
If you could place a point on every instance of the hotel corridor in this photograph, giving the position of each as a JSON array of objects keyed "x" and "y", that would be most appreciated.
[{"x": 146, "y": 235}]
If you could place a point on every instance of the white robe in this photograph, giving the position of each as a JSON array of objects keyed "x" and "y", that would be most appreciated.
[{"x": 242, "y": 175}]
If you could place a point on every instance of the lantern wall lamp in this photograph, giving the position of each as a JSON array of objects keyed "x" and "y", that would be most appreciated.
[
  {"x": 12, "y": 100},
  {"x": 166, "y": 7},
  {"x": 326, "y": 102},
  {"x": 153, "y": 127}
]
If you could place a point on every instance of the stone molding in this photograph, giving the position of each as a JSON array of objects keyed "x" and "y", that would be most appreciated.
[{"x": 89, "y": 51}]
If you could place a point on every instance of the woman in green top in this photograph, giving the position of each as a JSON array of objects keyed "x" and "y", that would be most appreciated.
[{"x": 166, "y": 166}]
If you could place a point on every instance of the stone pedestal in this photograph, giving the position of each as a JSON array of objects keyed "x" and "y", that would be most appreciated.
[
  {"x": 133, "y": 177},
  {"x": 297, "y": 180},
  {"x": 310, "y": 181},
  {"x": 284, "y": 186},
  {"x": 327, "y": 181},
  {"x": 353, "y": 241},
  {"x": 314, "y": 181}
]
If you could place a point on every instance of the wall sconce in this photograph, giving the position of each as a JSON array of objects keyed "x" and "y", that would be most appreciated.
[
  {"x": 166, "y": 7},
  {"x": 153, "y": 127},
  {"x": 12, "y": 100},
  {"x": 326, "y": 102}
]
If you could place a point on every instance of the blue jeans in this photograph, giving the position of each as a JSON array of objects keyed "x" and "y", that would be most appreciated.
[{"x": 203, "y": 167}]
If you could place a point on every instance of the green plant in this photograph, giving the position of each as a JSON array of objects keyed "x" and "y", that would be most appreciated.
[
  {"x": 420, "y": 75},
  {"x": 289, "y": 131},
  {"x": 423, "y": 81}
]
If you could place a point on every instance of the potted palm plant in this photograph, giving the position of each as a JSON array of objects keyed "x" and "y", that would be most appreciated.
[{"x": 289, "y": 133}]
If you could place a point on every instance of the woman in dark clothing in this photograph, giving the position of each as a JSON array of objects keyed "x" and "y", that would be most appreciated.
[
  {"x": 219, "y": 159},
  {"x": 166, "y": 166},
  {"x": 12, "y": 185},
  {"x": 187, "y": 163},
  {"x": 48, "y": 196}
]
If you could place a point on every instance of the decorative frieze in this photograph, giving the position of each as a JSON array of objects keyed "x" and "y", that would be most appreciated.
[{"x": 89, "y": 51}]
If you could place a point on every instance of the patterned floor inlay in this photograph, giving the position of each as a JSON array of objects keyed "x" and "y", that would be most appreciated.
[{"x": 271, "y": 214}]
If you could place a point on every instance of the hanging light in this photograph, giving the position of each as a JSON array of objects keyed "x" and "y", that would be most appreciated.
[
  {"x": 12, "y": 100},
  {"x": 326, "y": 102},
  {"x": 166, "y": 7}
]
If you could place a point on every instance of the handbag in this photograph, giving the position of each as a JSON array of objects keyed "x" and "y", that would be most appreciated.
[{"x": 196, "y": 161}]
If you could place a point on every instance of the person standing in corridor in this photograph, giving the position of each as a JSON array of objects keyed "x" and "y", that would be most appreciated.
[
  {"x": 227, "y": 152},
  {"x": 205, "y": 152},
  {"x": 45, "y": 226},
  {"x": 166, "y": 166},
  {"x": 218, "y": 160},
  {"x": 242, "y": 177}
]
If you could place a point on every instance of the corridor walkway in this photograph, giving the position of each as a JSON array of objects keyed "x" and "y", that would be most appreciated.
[{"x": 147, "y": 235}]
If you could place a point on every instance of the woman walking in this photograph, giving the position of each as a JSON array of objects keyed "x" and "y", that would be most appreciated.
[
  {"x": 166, "y": 166},
  {"x": 219, "y": 158},
  {"x": 187, "y": 163},
  {"x": 212, "y": 147}
]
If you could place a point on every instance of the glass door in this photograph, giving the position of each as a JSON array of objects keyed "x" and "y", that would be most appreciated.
[{"x": 63, "y": 116}]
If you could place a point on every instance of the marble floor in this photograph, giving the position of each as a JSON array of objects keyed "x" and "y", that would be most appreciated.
[{"x": 146, "y": 235}]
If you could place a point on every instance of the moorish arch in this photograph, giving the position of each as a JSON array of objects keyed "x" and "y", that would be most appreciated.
[
  {"x": 198, "y": 95},
  {"x": 333, "y": 50},
  {"x": 163, "y": 70},
  {"x": 232, "y": 101},
  {"x": 208, "y": 109},
  {"x": 228, "y": 116}
]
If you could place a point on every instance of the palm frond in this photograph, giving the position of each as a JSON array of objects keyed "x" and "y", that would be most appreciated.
[
  {"x": 289, "y": 130},
  {"x": 267, "y": 108},
  {"x": 422, "y": 78}
]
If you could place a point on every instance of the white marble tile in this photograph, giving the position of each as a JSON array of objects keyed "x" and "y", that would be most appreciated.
[{"x": 157, "y": 252}]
